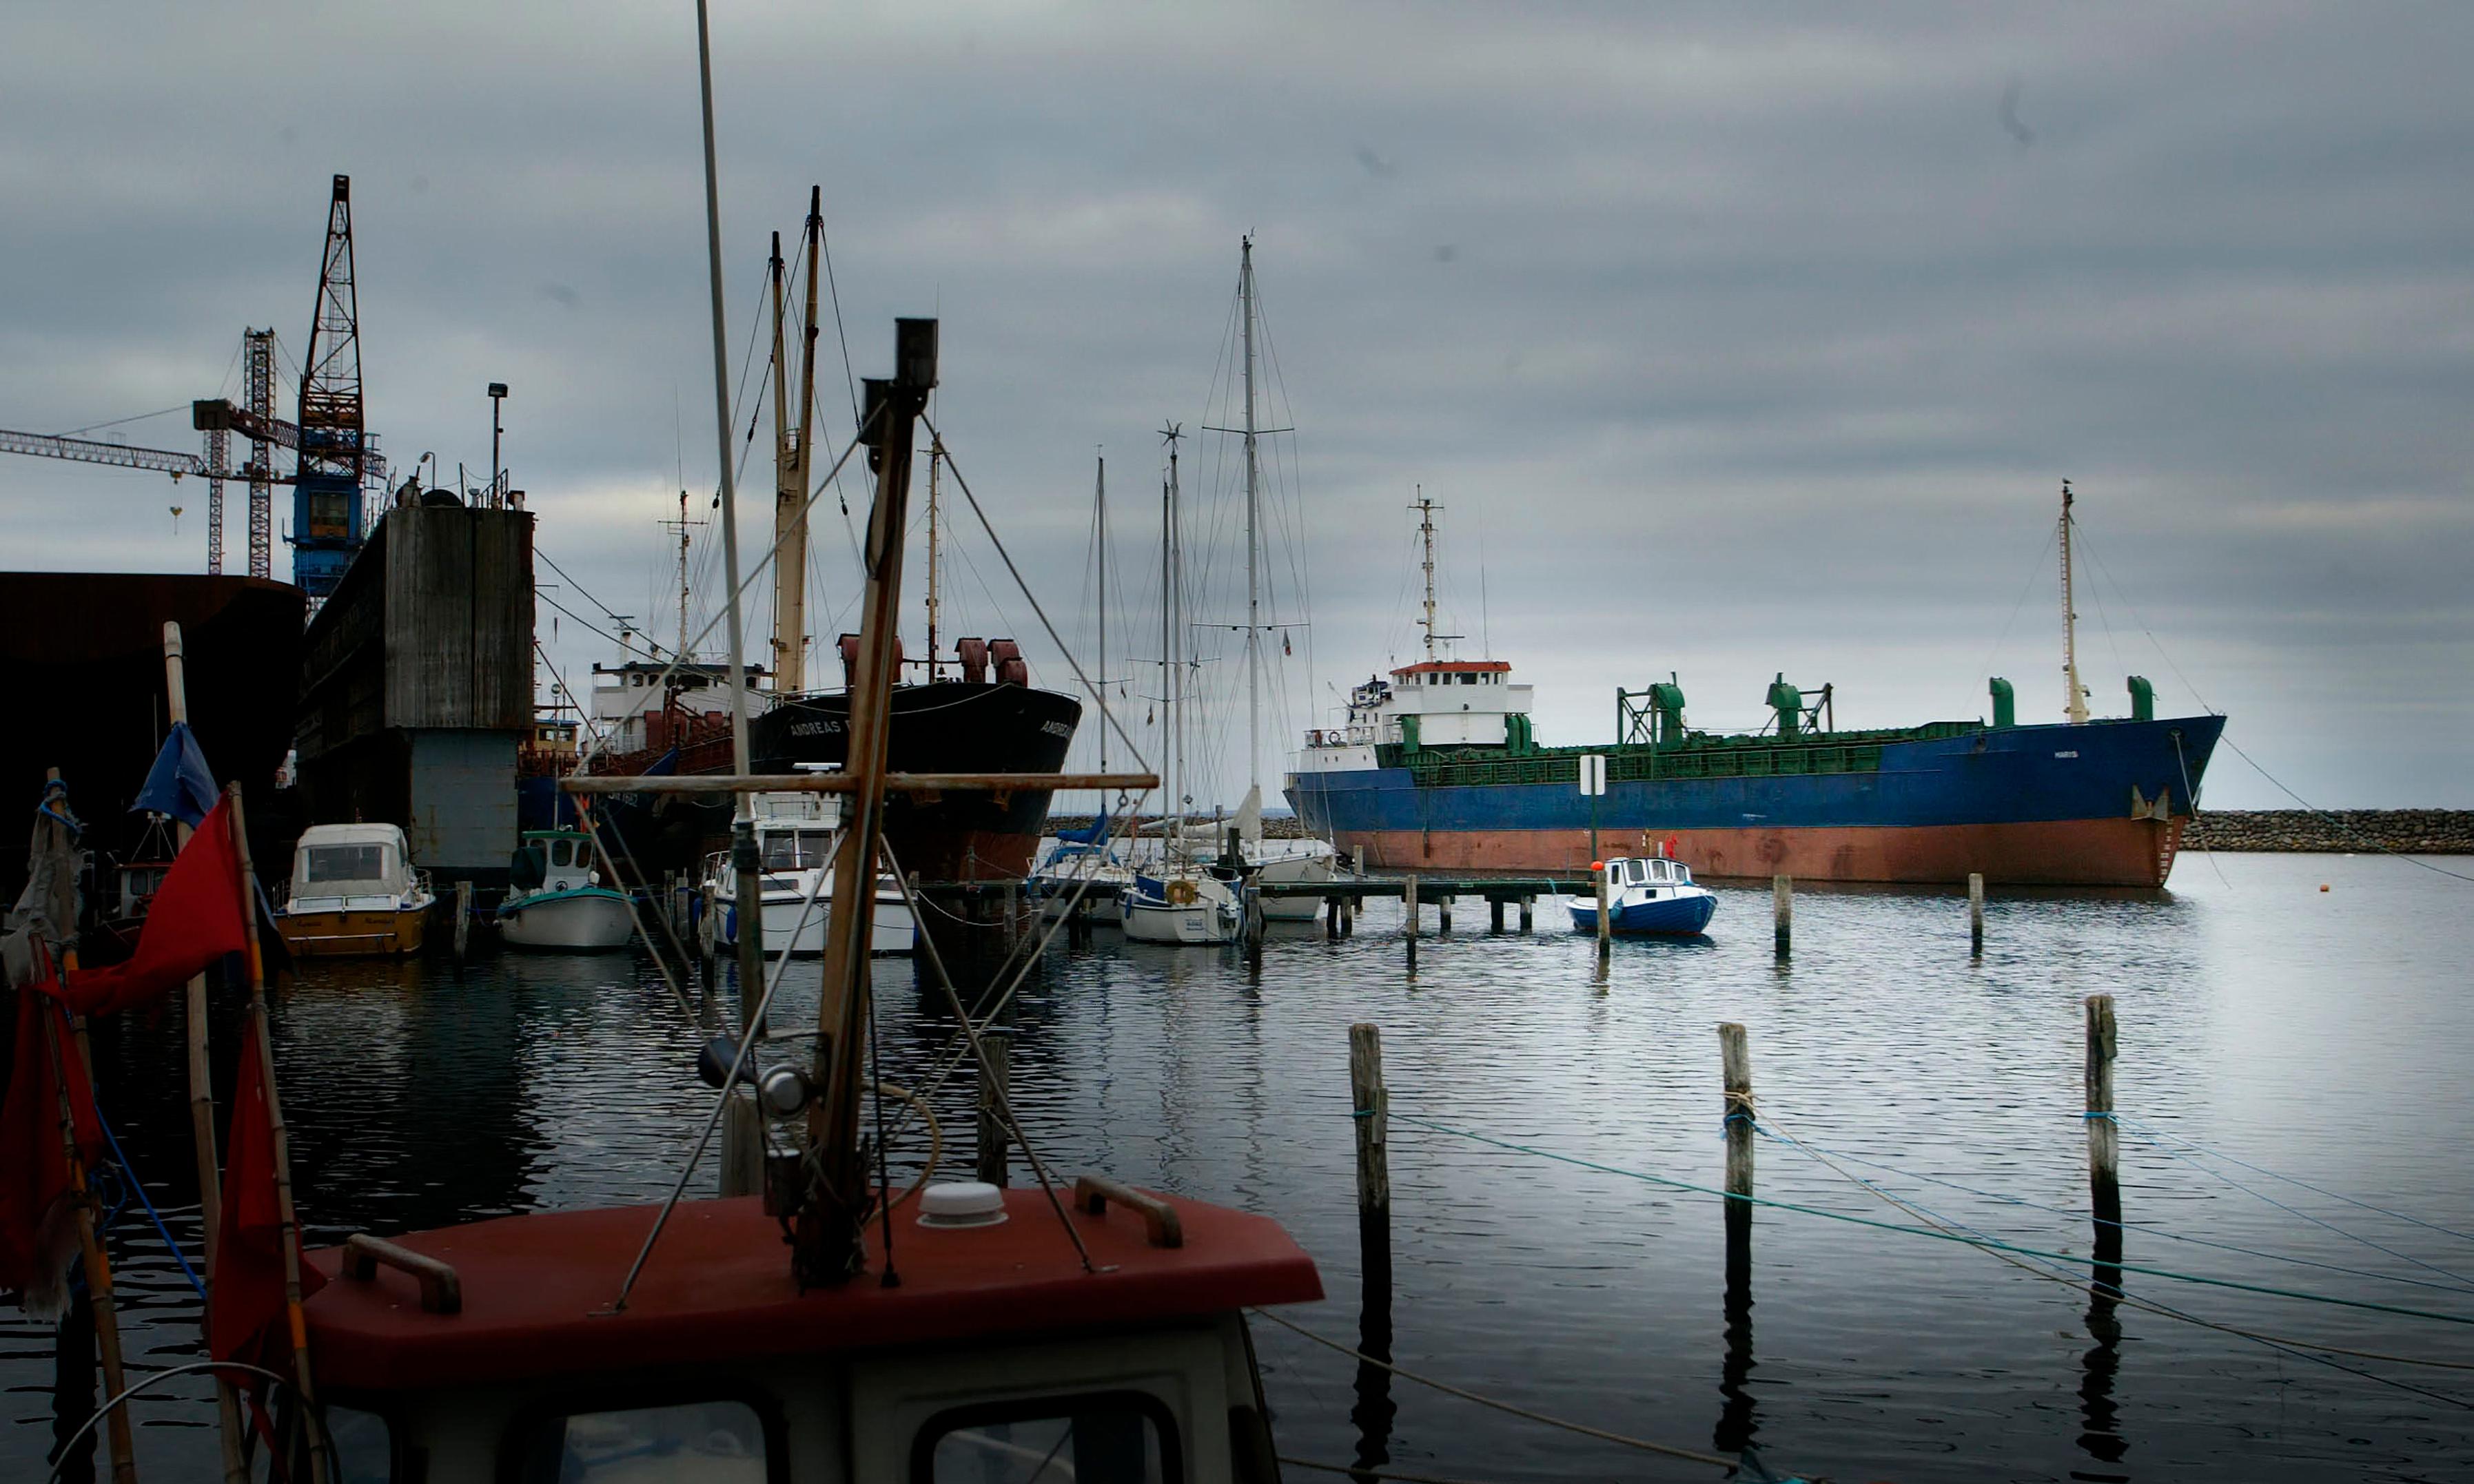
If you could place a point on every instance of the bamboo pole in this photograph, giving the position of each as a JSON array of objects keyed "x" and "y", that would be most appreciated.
[
  {"x": 202, "y": 1097},
  {"x": 281, "y": 1141},
  {"x": 97, "y": 1262}
]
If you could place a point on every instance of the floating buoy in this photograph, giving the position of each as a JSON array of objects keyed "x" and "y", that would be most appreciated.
[{"x": 2324, "y": 886}]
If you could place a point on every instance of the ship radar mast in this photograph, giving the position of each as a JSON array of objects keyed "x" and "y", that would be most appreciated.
[
  {"x": 2075, "y": 695},
  {"x": 1425, "y": 509}
]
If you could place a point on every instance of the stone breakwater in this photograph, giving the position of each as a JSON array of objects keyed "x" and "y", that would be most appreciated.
[
  {"x": 2412, "y": 831},
  {"x": 2418, "y": 831}
]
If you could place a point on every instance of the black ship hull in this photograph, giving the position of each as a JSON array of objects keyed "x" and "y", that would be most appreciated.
[{"x": 941, "y": 726}]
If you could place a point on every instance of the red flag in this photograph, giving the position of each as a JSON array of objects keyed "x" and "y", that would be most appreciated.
[
  {"x": 245, "y": 1320},
  {"x": 195, "y": 919},
  {"x": 38, "y": 1223}
]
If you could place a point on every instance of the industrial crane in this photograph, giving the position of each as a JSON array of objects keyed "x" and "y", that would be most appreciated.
[{"x": 335, "y": 456}]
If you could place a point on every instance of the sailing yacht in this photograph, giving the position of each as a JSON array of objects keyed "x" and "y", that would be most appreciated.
[
  {"x": 1177, "y": 900},
  {"x": 1273, "y": 862}
]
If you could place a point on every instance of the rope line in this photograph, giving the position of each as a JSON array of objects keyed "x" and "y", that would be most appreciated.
[
  {"x": 2153, "y": 1132},
  {"x": 1582, "y": 1429},
  {"x": 139, "y": 1185},
  {"x": 1989, "y": 1243}
]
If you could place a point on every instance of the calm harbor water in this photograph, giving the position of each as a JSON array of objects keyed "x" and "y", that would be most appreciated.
[{"x": 2322, "y": 1036}]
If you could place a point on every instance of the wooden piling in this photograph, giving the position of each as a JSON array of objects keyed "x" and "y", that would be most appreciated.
[
  {"x": 1494, "y": 914},
  {"x": 1735, "y": 1070},
  {"x": 996, "y": 1076},
  {"x": 1348, "y": 916},
  {"x": 1975, "y": 911},
  {"x": 1443, "y": 916},
  {"x": 2104, "y": 1137},
  {"x": 1366, "y": 1106},
  {"x": 1782, "y": 913},
  {"x": 1527, "y": 908},
  {"x": 463, "y": 919},
  {"x": 1409, "y": 920},
  {"x": 709, "y": 934},
  {"x": 1358, "y": 861},
  {"x": 1331, "y": 919},
  {"x": 742, "y": 1145},
  {"x": 1255, "y": 927},
  {"x": 1606, "y": 916}
]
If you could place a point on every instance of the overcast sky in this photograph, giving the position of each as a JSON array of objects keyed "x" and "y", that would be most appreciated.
[{"x": 1731, "y": 339}]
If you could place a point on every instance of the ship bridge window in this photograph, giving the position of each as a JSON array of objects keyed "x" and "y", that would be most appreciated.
[
  {"x": 798, "y": 849},
  {"x": 719, "y": 1440},
  {"x": 1120, "y": 1437},
  {"x": 345, "y": 863}
]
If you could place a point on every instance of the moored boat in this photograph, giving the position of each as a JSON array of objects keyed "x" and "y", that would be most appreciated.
[
  {"x": 354, "y": 894},
  {"x": 1651, "y": 895},
  {"x": 556, "y": 902},
  {"x": 795, "y": 834}
]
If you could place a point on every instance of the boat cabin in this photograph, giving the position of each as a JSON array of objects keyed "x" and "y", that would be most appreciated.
[
  {"x": 350, "y": 868},
  {"x": 552, "y": 860},
  {"x": 494, "y": 1350},
  {"x": 1652, "y": 872}
]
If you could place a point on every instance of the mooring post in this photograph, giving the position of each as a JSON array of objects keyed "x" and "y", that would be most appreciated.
[
  {"x": 463, "y": 918},
  {"x": 1349, "y": 916},
  {"x": 1444, "y": 915},
  {"x": 1254, "y": 925},
  {"x": 742, "y": 1145},
  {"x": 709, "y": 934},
  {"x": 1735, "y": 1068},
  {"x": 1606, "y": 917},
  {"x": 2103, "y": 1136},
  {"x": 1409, "y": 919},
  {"x": 1526, "y": 909},
  {"x": 1331, "y": 919},
  {"x": 996, "y": 1077},
  {"x": 1366, "y": 1099},
  {"x": 1358, "y": 861},
  {"x": 1012, "y": 902},
  {"x": 1494, "y": 914},
  {"x": 1975, "y": 912},
  {"x": 1783, "y": 912}
]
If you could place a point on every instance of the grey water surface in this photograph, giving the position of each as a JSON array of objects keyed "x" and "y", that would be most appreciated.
[{"x": 2325, "y": 1037}]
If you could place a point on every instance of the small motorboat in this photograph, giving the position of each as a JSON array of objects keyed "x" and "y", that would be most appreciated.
[
  {"x": 795, "y": 838},
  {"x": 1072, "y": 867},
  {"x": 354, "y": 894},
  {"x": 556, "y": 902},
  {"x": 1652, "y": 894}
]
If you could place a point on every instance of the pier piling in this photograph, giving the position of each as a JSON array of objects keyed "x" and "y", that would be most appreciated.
[
  {"x": 1606, "y": 917},
  {"x": 1348, "y": 916},
  {"x": 463, "y": 919},
  {"x": 1443, "y": 916},
  {"x": 996, "y": 1076},
  {"x": 2103, "y": 1139},
  {"x": 1975, "y": 912},
  {"x": 1409, "y": 920},
  {"x": 709, "y": 934},
  {"x": 1735, "y": 1070},
  {"x": 1526, "y": 909},
  {"x": 1331, "y": 919},
  {"x": 1783, "y": 912},
  {"x": 1494, "y": 914},
  {"x": 1366, "y": 1099}
]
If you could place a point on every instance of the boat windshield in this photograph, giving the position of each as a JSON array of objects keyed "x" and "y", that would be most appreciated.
[
  {"x": 344, "y": 863},
  {"x": 798, "y": 849}
]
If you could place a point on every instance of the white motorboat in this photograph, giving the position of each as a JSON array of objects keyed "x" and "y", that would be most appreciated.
[
  {"x": 354, "y": 894},
  {"x": 795, "y": 836},
  {"x": 556, "y": 902}
]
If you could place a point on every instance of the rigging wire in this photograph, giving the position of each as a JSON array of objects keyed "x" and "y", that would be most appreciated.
[{"x": 117, "y": 421}]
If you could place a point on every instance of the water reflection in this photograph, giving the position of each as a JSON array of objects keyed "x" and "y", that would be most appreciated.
[
  {"x": 1737, "y": 1422},
  {"x": 2099, "y": 1418}
]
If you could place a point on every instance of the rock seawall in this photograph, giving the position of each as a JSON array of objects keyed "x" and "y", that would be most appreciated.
[{"x": 2416, "y": 831}]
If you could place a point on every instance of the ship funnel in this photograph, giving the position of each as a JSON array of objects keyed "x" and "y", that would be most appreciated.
[{"x": 2005, "y": 706}]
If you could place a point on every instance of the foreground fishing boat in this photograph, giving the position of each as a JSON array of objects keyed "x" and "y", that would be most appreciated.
[
  {"x": 555, "y": 900},
  {"x": 1438, "y": 766},
  {"x": 354, "y": 894},
  {"x": 1653, "y": 895}
]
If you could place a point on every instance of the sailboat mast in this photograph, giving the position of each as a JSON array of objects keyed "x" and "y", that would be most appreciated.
[
  {"x": 790, "y": 589},
  {"x": 791, "y": 516},
  {"x": 1175, "y": 645},
  {"x": 721, "y": 410},
  {"x": 1167, "y": 661},
  {"x": 1253, "y": 586},
  {"x": 1100, "y": 505},
  {"x": 683, "y": 576},
  {"x": 2074, "y": 697}
]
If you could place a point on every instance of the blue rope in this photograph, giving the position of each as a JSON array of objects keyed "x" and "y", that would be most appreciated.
[
  {"x": 1991, "y": 1243},
  {"x": 2395, "y": 1215},
  {"x": 2148, "y": 1231},
  {"x": 139, "y": 1185}
]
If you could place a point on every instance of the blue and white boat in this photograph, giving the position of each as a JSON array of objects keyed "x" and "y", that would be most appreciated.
[
  {"x": 556, "y": 902},
  {"x": 1648, "y": 895}
]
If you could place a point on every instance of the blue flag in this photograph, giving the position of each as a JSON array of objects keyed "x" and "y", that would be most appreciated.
[{"x": 179, "y": 783}]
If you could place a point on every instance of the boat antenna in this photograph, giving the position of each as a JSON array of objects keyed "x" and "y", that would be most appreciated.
[
  {"x": 684, "y": 526},
  {"x": 1425, "y": 509},
  {"x": 2075, "y": 695}
]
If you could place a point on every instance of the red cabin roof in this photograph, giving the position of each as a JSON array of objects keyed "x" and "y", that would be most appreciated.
[
  {"x": 536, "y": 1289},
  {"x": 1456, "y": 667}
]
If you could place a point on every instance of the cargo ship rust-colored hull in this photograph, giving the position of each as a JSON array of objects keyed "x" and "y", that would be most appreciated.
[{"x": 2096, "y": 803}]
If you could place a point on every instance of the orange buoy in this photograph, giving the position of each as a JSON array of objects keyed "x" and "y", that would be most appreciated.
[{"x": 2324, "y": 886}]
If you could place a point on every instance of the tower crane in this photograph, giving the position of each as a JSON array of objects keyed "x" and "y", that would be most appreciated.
[{"x": 336, "y": 457}]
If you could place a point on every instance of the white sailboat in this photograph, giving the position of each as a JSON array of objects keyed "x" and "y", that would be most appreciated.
[
  {"x": 1177, "y": 901},
  {"x": 1274, "y": 862}
]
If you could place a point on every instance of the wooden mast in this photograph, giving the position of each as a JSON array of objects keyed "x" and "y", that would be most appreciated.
[
  {"x": 791, "y": 516},
  {"x": 789, "y": 568},
  {"x": 826, "y": 1238}
]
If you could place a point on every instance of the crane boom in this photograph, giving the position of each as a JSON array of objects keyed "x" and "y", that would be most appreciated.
[{"x": 86, "y": 450}]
